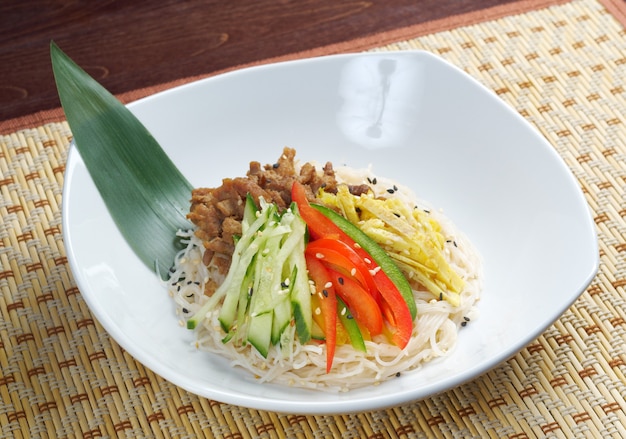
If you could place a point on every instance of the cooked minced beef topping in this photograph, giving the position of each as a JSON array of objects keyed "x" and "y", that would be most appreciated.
[{"x": 217, "y": 212}]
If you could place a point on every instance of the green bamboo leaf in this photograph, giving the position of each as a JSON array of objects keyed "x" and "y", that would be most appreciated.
[{"x": 145, "y": 193}]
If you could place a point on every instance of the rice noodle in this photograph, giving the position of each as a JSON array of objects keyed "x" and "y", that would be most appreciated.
[{"x": 434, "y": 333}]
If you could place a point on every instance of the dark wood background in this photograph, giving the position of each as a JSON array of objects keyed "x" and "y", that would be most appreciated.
[{"x": 133, "y": 44}]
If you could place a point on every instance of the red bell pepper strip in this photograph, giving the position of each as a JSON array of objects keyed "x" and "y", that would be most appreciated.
[
  {"x": 392, "y": 285},
  {"x": 328, "y": 304},
  {"x": 367, "y": 246},
  {"x": 318, "y": 224},
  {"x": 396, "y": 311},
  {"x": 339, "y": 254},
  {"x": 399, "y": 305},
  {"x": 363, "y": 306}
]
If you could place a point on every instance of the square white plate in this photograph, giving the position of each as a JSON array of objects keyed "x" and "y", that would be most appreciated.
[{"x": 416, "y": 119}]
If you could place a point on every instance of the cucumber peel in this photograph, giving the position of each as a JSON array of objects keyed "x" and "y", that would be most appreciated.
[
  {"x": 352, "y": 328},
  {"x": 265, "y": 298}
]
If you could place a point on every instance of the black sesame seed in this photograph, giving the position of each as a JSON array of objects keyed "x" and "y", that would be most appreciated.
[
  {"x": 349, "y": 316},
  {"x": 440, "y": 296},
  {"x": 185, "y": 310},
  {"x": 463, "y": 323},
  {"x": 467, "y": 319},
  {"x": 398, "y": 374},
  {"x": 325, "y": 293},
  {"x": 283, "y": 285},
  {"x": 397, "y": 215},
  {"x": 340, "y": 280},
  {"x": 391, "y": 191},
  {"x": 374, "y": 181},
  {"x": 395, "y": 188},
  {"x": 369, "y": 180},
  {"x": 275, "y": 165}
]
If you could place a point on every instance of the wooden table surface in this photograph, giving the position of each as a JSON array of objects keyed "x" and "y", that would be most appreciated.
[{"x": 128, "y": 45}]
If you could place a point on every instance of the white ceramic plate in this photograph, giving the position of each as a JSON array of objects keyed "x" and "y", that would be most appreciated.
[{"x": 415, "y": 118}]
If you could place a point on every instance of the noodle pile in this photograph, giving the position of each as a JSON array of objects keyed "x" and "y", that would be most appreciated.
[{"x": 434, "y": 333}]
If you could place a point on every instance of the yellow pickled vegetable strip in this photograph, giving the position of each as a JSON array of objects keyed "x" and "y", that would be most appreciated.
[
  {"x": 411, "y": 237},
  {"x": 421, "y": 245},
  {"x": 345, "y": 201}
]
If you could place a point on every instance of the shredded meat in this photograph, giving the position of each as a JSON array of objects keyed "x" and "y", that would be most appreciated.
[
  {"x": 217, "y": 212},
  {"x": 358, "y": 189}
]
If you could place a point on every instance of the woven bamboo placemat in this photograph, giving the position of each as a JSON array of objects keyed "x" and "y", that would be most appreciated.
[{"x": 563, "y": 68}]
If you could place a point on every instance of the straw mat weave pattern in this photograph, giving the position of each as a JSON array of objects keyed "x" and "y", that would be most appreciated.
[{"x": 563, "y": 68}]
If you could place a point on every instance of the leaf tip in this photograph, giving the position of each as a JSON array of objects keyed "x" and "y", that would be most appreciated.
[{"x": 55, "y": 50}]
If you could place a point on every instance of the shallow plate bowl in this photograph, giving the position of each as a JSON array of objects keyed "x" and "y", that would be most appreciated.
[{"x": 414, "y": 118}]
